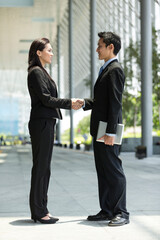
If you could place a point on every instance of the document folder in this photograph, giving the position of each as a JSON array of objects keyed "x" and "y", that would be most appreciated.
[{"x": 102, "y": 131}]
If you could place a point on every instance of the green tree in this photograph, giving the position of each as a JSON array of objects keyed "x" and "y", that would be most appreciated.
[
  {"x": 132, "y": 91},
  {"x": 131, "y": 96},
  {"x": 84, "y": 125},
  {"x": 156, "y": 77}
]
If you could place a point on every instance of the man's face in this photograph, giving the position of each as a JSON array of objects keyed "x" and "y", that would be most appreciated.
[{"x": 104, "y": 53}]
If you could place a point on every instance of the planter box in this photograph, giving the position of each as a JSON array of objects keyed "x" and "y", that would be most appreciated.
[{"x": 130, "y": 144}]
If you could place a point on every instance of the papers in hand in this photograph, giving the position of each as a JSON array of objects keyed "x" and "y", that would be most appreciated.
[{"x": 102, "y": 131}]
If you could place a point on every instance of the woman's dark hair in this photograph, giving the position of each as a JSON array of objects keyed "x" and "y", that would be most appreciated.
[
  {"x": 110, "y": 37},
  {"x": 33, "y": 59}
]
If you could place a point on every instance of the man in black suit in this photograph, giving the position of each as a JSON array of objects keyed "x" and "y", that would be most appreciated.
[{"x": 107, "y": 106}]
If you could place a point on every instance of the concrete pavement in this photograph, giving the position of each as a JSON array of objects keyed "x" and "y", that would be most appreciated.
[{"x": 73, "y": 195}]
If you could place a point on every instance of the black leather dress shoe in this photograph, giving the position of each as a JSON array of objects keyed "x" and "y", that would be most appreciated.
[
  {"x": 101, "y": 216},
  {"x": 118, "y": 220}
]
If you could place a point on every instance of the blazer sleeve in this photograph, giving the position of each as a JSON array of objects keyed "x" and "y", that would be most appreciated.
[
  {"x": 116, "y": 85},
  {"x": 37, "y": 81},
  {"x": 88, "y": 104}
]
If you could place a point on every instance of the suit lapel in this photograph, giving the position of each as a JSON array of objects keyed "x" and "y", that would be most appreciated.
[{"x": 102, "y": 73}]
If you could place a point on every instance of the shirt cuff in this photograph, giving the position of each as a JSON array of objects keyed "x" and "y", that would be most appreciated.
[
  {"x": 111, "y": 134},
  {"x": 84, "y": 105}
]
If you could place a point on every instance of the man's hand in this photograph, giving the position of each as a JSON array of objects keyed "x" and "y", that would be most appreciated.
[
  {"x": 77, "y": 103},
  {"x": 108, "y": 140}
]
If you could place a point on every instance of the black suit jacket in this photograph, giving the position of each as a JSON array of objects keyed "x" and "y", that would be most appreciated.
[
  {"x": 43, "y": 93},
  {"x": 107, "y": 103}
]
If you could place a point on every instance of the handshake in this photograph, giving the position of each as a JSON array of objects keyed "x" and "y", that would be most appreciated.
[{"x": 77, "y": 103}]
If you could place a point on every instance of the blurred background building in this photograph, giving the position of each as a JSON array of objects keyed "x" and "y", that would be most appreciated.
[{"x": 71, "y": 27}]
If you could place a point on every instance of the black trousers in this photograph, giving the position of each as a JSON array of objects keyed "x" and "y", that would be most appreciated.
[
  {"x": 111, "y": 179},
  {"x": 42, "y": 139}
]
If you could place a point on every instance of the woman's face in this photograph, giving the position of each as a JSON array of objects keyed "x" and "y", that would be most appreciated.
[{"x": 45, "y": 56}]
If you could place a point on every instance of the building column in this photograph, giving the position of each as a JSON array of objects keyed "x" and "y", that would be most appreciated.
[
  {"x": 93, "y": 43},
  {"x": 59, "y": 81},
  {"x": 71, "y": 69},
  {"x": 146, "y": 75}
]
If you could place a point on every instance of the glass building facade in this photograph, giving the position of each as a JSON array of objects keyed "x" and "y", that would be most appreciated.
[{"x": 119, "y": 16}]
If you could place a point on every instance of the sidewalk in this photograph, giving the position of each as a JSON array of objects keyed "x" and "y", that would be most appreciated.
[{"x": 73, "y": 195}]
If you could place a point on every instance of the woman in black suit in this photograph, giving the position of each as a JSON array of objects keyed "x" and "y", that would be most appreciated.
[{"x": 45, "y": 109}]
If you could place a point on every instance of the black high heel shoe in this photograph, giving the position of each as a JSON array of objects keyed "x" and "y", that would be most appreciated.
[{"x": 45, "y": 221}]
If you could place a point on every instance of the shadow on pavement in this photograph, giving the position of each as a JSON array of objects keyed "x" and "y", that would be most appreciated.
[{"x": 22, "y": 222}]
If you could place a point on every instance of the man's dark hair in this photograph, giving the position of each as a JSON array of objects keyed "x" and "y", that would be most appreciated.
[{"x": 108, "y": 38}]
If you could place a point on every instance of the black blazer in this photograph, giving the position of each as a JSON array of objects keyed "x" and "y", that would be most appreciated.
[
  {"x": 43, "y": 93},
  {"x": 107, "y": 103}
]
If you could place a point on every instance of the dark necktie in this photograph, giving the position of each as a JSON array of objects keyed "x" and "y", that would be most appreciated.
[{"x": 100, "y": 70}]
